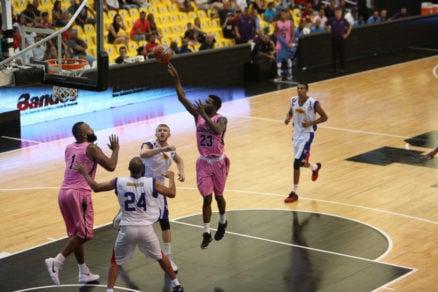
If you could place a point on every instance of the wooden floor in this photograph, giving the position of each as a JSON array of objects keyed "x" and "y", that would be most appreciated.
[{"x": 366, "y": 111}]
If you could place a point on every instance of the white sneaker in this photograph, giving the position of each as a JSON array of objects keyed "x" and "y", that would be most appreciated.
[
  {"x": 289, "y": 77},
  {"x": 53, "y": 267},
  {"x": 277, "y": 79},
  {"x": 174, "y": 266},
  {"x": 87, "y": 277}
]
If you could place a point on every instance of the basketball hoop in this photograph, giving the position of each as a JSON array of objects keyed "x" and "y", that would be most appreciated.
[{"x": 69, "y": 67}]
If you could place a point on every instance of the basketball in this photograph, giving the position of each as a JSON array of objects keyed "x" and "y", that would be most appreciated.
[{"x": 162, "y": 53}]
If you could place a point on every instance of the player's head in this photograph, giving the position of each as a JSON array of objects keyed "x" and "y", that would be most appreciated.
[
  {"x": 302, "y": 89},
  {"x": 162, "y": 132},
  {"x": 212, "y": 104},
  {"x": 136, "y": 167},
  {"x": 83, "y": 132}
]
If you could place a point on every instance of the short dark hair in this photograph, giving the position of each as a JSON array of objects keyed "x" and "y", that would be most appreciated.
[
  {"x": 217, "y": 100},
  {"x": 77, "y": 130},
  {"x": 306, "y": 85}
]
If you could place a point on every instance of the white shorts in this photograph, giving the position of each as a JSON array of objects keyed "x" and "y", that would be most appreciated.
[
  {"x": 131, "y": 236},
  {"x": 302, "y": 145}
]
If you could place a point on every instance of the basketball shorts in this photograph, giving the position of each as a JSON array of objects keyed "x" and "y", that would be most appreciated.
[
  {"x": 131, "y": 236},
  {"x": 302, "y": 144},
  {"x": 77, "y": 210},
  {"x": 211, "y": 175}
]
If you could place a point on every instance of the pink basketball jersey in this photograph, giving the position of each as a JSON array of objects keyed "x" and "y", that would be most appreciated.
[
  {"x": 283, "y": 30},
  {"x": 210, "y": 144},
  {"x": 72, "y": 178}
]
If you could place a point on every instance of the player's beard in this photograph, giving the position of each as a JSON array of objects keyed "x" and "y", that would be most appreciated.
[
  {"x": 208, "y": 111},
  {"x": 91, "y": 138}
]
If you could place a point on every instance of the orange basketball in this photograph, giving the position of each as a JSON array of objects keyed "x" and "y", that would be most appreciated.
[{"x": 162, "y": 53}]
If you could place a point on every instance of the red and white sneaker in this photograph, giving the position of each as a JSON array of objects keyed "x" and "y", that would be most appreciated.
[
  {"x": 291, "y": 198},
  {"x": 315, "y": 172}
]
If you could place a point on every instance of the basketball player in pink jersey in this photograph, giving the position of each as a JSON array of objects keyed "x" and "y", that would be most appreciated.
[
  {"x": 284, "y": 28},
  {"x": 74, "y": 198},
  {"x": 212, "y": 165},
  {"x": 303, "y": 109}
]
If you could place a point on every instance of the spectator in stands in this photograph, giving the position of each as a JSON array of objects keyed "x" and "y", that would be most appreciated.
[
  {"x": 260, "y": 5},
  {"x": 78, "y": 47},
  {"x": 374, "y": 18},
  {"x": 227, "y": 27},
  {"x": 208, "y": 4},
  {"x": 320, "y": 16},
  {"x": 21, "y": 22},
  {"x": 401, "y": 14},
  {"x": 141, "y": 28},
  {"x": 255, "y": 15},
  {"x": 208, "y": 43},
  {"x": 317, "y": 26},
  {"x": 114, "y": 35},
  {"x": 352, "y": 17},
  {"x": 174, "y": 47},
  {"x": 383, "y": 15},
  {"x": 150, "y": 45},
  {"x": 32, "y": 12},
  {"x": 264, "y": 51},
  {"x": 285, "y": 35},
  {"x": 184, "y": 5},
  {"x": 245, "y": 28},
  {"x": 39, "y": 51},
  {"x": 316, "y": 4},
  {"x": 87, "y": 15},
  {"x": 153, "y": 25},
  {"x": 307, "y": 14},
  {"x": 123, "y": 55},
  {"x": 59, "y": 17},
  {"x": 270, "y": 12},
  {"x": 194, "y": 32},
  {"x": 340, "y": 30},
  {"x": 184, "y": 46},
  {"x": 199, "y": 34},
  {"x": 330, "y": 9},
  {"x": 45, "y": 20}
]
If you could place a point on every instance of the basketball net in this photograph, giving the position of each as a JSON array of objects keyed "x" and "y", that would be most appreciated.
[{"x": 70, "y": 67}]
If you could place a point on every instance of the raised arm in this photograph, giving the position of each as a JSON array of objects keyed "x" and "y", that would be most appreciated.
[
  {"x": 147, "y": 151},
  {"x": 167, "y": 191},
  {"x": 95, "y": 186},
  {"x": 96, "y": 154},
  {"x": 180, "y": 166},
  {"x": 180, "y": 91}
]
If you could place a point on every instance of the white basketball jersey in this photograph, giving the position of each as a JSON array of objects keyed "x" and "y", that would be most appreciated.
[
  {"x": 303, "y": 113},
  {"x": 138, "y": 200},
  {"x": 158, "y": 164}
]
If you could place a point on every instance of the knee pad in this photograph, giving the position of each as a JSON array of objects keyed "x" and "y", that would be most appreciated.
[
  {"x": 164, "y": 224},
  {"x": 298, "y": 164}
]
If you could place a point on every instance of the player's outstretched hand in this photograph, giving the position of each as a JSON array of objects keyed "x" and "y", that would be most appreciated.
[
  {"x": 200, "y": 107},
  {"x": 113, "y": 142},
  {"x": 172, "y": 71}
]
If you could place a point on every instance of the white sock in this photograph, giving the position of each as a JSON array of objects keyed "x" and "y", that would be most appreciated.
[
  {"x": 175, "y": 282},
  {"x": 109, "y": 290},
  {"x": 223, "y": 218},
  {"x": 83, "y": 269},
  {"x": 207, "y": 227},
  {"x": 167, "y": 249},
  {"x": 279, "y": 69},
  {"x": 289, "y": 67},
  {"x": 313, "y": 166},
  {"x": 60, "y": 258},
  {"x": 295, "y": 188}
]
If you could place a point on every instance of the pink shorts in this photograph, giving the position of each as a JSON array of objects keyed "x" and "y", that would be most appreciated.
[
  {"x": 77, "y": 209},
  {"x": 211, "y": 175}
]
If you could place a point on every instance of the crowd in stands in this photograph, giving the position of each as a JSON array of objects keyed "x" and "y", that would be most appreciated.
[{"x": 135, "y": 27}]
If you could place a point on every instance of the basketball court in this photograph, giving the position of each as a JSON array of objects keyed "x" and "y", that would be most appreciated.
[{"x": 368, "y": 224}]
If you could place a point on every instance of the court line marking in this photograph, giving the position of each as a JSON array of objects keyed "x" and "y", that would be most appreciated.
[
  {"x": 273, "y": 195},
  {"x": 73, "y": 285},
  {"x": 325, "y": 127},
  {"x": 296, "y": 245}
]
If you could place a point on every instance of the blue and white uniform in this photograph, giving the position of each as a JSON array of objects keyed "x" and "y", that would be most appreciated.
[{"x": 303, "y": 137}]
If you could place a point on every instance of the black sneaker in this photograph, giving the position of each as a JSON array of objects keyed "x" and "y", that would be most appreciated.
[
  {"x": 206, "y": 239},
  {"x": 220, "y": 230},
  {"x": 178, "y": 288}
]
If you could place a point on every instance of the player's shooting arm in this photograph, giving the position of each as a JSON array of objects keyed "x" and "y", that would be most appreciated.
[{"x": 180, "y": 91}]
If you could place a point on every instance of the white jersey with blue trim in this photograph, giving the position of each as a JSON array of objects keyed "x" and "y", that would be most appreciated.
[
  {"x": 158, "y": 164},
  {"x": 138, "y": 200},
  {"x": 303, "y": 113}
]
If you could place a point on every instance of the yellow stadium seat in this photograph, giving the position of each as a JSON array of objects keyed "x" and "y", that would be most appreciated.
[
  {"x": 183, "y": 17},
  {"x": 125, "y": 14},
  {"x": 202, "y": 15},
  {"x": 134, "y": 13},
  {"x": 162, "y": 9},
  {"x": 89, "y": 28},
  {"x": 111, "y": 14},
  {"x": 173, "y": 8}
]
